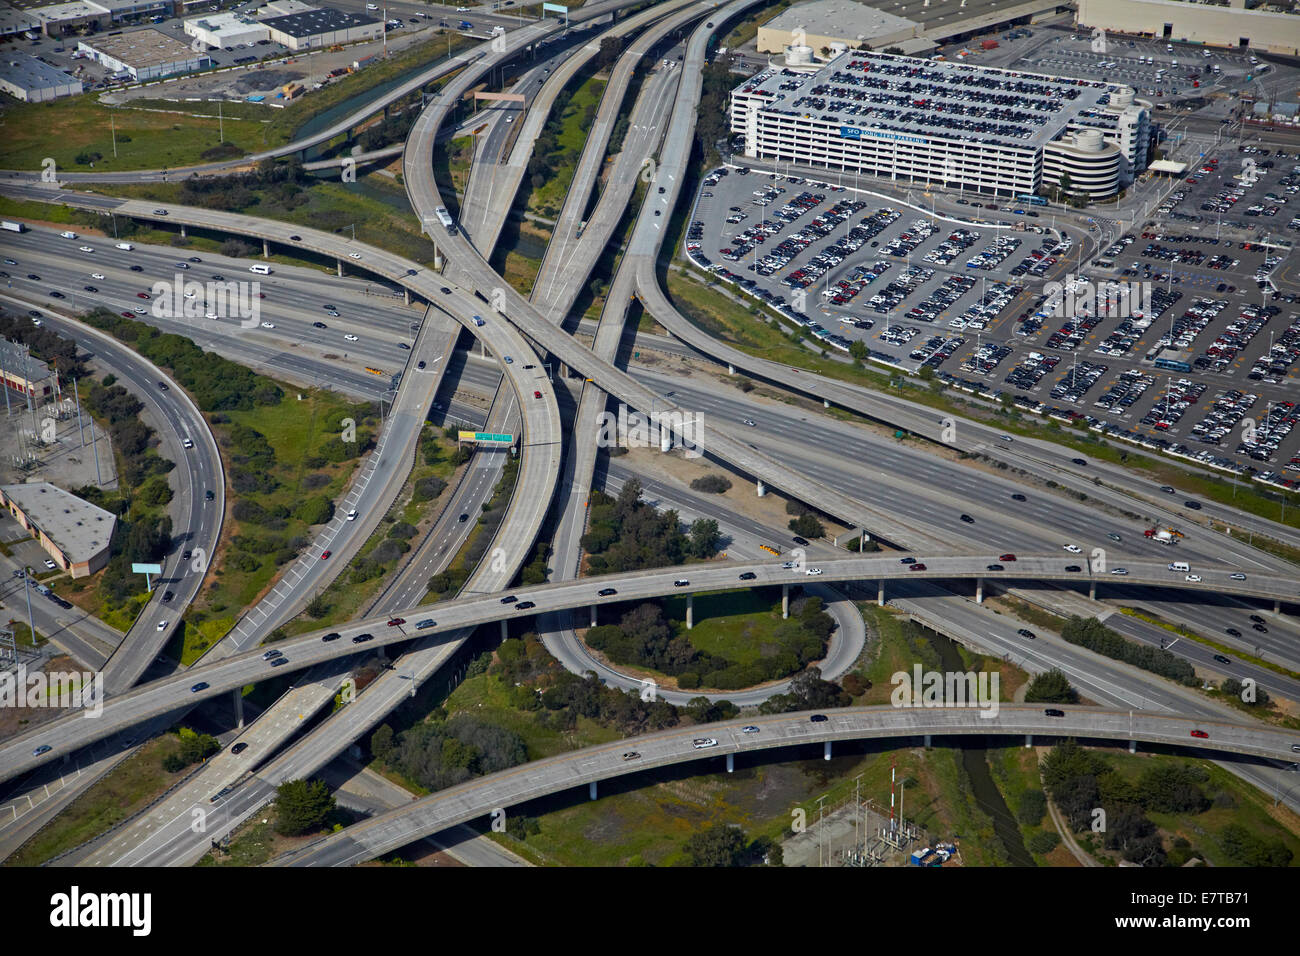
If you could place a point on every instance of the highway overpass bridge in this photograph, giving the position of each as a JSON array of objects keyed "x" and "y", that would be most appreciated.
[
  {"x": 587, "y": 767},
  {"x": 181, "y": 691}
]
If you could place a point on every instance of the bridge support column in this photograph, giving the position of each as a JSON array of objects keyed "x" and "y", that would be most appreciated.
[
  {"x": 690, "y": 611},
  {"x": 182, "y": 230},
  {"x": 1092, "y": 590},
  {"x": 591, "y": 790},
  {"x": 731, "y": 369},
  {"x": 785, "y": 601},
  {"x": 880, "y": 593},
  {"x": 825, "y": 403},
  {"x": 927, "y": 741},
  {"x": 826, "y": 750},
  {"x": 505, "y": 629},
  {"x": 406, "y": 294},
  {"x": 338, "y": 265},
  {"x": 1132, "y": 746},
  {"x": 1277, "y": 606},
  {"x": 238, "y": 693},
  {"x": 979, "y": 590},
  {"x": 266, "y": 248},
  {"x": 762, "y": 489},
  {"x": 593, "y": 615},
  {"x": 1029, "y": 740},
  {"x": 731, "y": 763}
]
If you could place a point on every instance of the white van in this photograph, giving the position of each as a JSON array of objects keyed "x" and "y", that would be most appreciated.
[
  {"x": 68, "y": 235},
  {"x": 1179, "y": 566},
  {"x": 1169, "y": 48},
  {"x": 260, "y": 270},
  {"x": 125, "y": 245}
]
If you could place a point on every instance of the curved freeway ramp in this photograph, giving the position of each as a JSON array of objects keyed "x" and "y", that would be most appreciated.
[{"x": 508, "y": 788}]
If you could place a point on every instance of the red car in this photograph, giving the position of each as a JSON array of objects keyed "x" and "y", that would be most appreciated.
[
  {"x": 325, "y": 554},
  {"x": 128, "y": 315},
  {"x": 1200, "y": 733},
  {"x": 916, "y": 567},
  {"x": 1007, "y": 557},
  {"x": 396, "y": 621},
  {"x": 536, "y": 394},
  {"x": 142, "y": 295}
]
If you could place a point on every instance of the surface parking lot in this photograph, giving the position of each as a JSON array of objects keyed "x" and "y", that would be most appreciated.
[{"x": 969, "y": 300}]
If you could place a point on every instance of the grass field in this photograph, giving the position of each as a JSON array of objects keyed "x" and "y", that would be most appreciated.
[
  {"x": 571, "y": 135},
  {"x": 125, "y": 790},
  {"x": 731, "y": 624}
]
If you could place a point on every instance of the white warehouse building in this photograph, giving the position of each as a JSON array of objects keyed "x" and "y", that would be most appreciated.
[
  {"x": 982, "y": 128},
  {"x": 226, "y": 29}
]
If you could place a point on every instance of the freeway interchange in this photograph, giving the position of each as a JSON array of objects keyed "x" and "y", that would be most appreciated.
[{"x": 519, "y": 333}]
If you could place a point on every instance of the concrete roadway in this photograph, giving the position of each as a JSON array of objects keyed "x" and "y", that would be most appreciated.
[
  {"x": 391, "y": 831},
  {"x": 175, "y": 692},
  {"x": 465, "y": 261}
]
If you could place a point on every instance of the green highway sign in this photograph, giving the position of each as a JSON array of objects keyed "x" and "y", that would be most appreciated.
[{"x": 488, "y": 437}]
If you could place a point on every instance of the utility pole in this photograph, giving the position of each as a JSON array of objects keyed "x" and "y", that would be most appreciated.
[
  {"x": 113, "y": 129},
  {"x": 81, "y": 432}
]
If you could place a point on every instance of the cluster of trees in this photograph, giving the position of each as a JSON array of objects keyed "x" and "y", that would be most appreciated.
[
  {"x": 627, "y": 534},
  {"x": 524, "y": 664},
  {"x": 805, "y": 522},
  {"x": 302, "y": 806},
  {"x": 548, "y": 152},
  {"x": 216, "y": 383},
  {"x": 194, "y": 747},
  {"x": 1257, "y": 698},
  {"x": 393, "y": 129},
  {"x": 645, "y": 638},
  {"x": 711, "y": 124},
  {"x": 728, "y": 845},
  {"x": 1095, "y": 636},
  {"x": 46, "y": 345},
  {"x": 1052, "y": 687},
  {"x": 711, "y": 484},
  {"x": 282, "y": 182},
  {"x": 1081, "y": 782},
  {"x": 133, "y": 440},
  {"x": 808, "y": 691},
  {"x": 442, "y": 753}
]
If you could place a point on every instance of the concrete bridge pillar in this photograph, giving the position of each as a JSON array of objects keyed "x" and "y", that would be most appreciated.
[
  {"x": 785, "y": 601},
  {"x": 731, "y": 763},
  {"x": 1029, "y": 740},
  {"x": 927, "y": 741},
  {"x": 593, "y": 615},
  {"x": 762, "y": 489},
  {"x": 825, "y": 403},
  {"x": 338, "y": 264},
  {"x": 406, "y": 294},
  {"x": 1132, "y": 746},
  {"x": 591, "y": 790},
  {"x": 880, "y": 593},
  {"x": 505, "y": 629},
  {"x": 731, "y": 369},
  {"x": 182, "y": 230},
  {"x": 238, "y": 693},
  {"x": 826, "y": 750},
  {"x": 690, "y": 611},
  {"x": 266, "y": 248},
  {"x": 1277, "y": 605},
  {"x": 1092, "y": 590},
  {"x": 979, "y": 590}
]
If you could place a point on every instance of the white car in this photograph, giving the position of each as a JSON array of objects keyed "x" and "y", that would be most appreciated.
[
  {"x": 354, "y": 255},
  {"x": 1238, "y": 576},
  {"x": 141, "y": 310},
  {"x": 1119, "y": 570},
  {"x": 1194, "y": 578},
  {"x": 86, "y": 248},
  {"x": 701, "y": 743},
  {"x": 813, "y": 571},
  {"x": 352, "y": 515},
  {"x": 162, "y": 625},
  {"x": 97, "y": 275},
  {"x": 50, "y": 564},
  {"x": 350, "y": 337},
  {"x": 211, "y": 315},
  {"x": 510, "y": 119},
  {"x": 268, "y": 325},
  {"x": 187, "y": 443},
  {"x": 751, "y": 729},
  {"x": 1073, "y": 548}
]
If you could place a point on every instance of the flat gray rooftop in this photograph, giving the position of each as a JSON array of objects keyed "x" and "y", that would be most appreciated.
[
  {"x": 845, "y": 18},
  {"x": 80, "y": 529},
  {"x": 24, "y": 70},
  {"x": 905, "y": 96}
]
